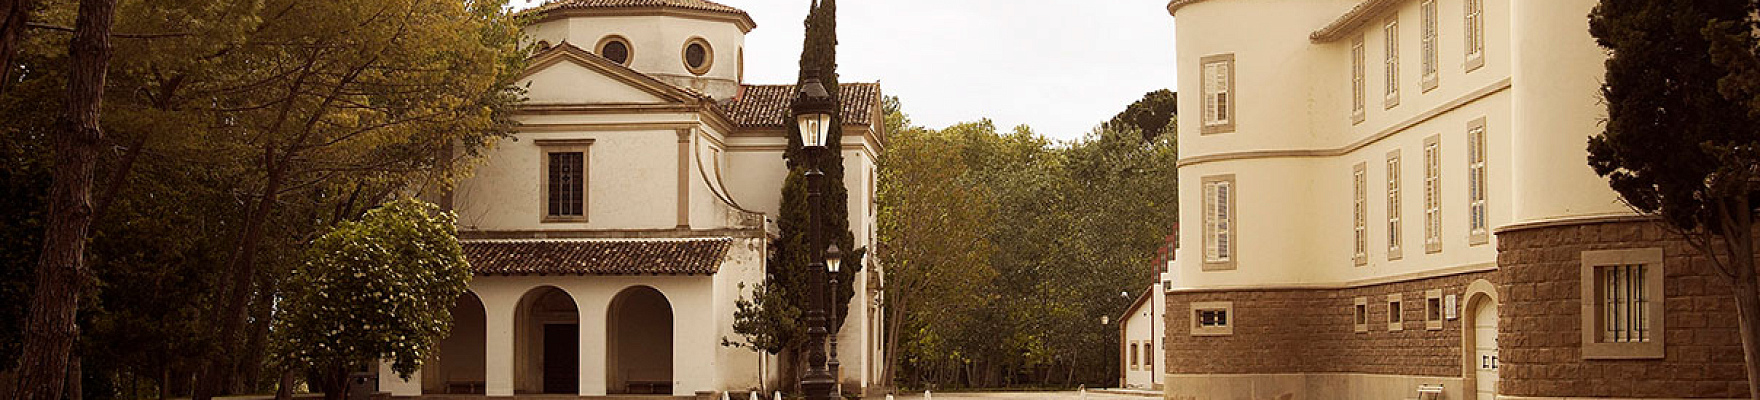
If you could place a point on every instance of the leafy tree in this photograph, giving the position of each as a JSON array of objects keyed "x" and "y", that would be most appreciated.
[
  {"x": 1682, "y": 137},
  {"x": 380, "y": 288},
  {"x": 931, "y": 231},
  {"x": 1153, "y": 115}
]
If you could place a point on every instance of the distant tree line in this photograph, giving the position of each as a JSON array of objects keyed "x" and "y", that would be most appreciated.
[{"x": 1004, "y": 250}]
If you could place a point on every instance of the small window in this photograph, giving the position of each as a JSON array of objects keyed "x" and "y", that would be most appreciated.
[
  {"x": 566, "y": 180},
  {"x": 1218, "y": 222},
  {"x": 1393, "y": 207},
  {"x": 1428, "y": 9},
  {"x": 1396, "y": 320},
  {"x": 616, "y": 49},
  {"x": 1432, "y": 195},
  {"x": 1360, "y": 212},
  {"x": 1218, "y": 89},
  {"x": 698, "y": 56},
  {"x": 1212, "y": 318},
  {"x": 1361, "y": 314},
  {"x": 1134, "y": 346},
  {"x": 564, "y": 183},
  {"x": 1149, "y": 354},
  {"x": 1623, "y": 314},
  {"x": 1359, "y": 86},
  {"x": 1391, "y": 32},
  {"x": 1433, "y": 310},
  {"x": 1474, "y": 33},
  {"x": 1478, "y": 229}
]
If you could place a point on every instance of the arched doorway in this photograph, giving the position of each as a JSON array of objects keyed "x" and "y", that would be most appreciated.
[
  {"x": 1479, "y": 341},
  {"x": 546, "y": 343},
  {"x": 638, "y": 347},
  {"x": 457, "y": 366}
]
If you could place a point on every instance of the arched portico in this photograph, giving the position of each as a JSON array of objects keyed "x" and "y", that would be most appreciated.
[
  {"x": 639, "y": 342},
  {"x": 546, "y": 342},
  {"x": 457, "y": 367}
]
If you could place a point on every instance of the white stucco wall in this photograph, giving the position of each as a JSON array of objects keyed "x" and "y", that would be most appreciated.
[
  {"x": 1295, "y": 145},
  {"x": 657, "y": 44}
]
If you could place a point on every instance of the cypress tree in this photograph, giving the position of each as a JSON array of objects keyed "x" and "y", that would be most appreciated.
[{"x": 773, "y": 319}]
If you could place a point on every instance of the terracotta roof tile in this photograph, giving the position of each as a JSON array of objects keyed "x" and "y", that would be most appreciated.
[
  {"x": 699, "y": 5},
  {"x": 596, "y": 257},
  {"x": 767, "y": 105}
]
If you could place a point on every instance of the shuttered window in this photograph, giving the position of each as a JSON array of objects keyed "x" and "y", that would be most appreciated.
[
  {"x": 1393, "y": 206},
  {"x": 1478, "y": 229},
  {"x": 1390, "y": 31},
  {"x": 1218, "y": 88},
  {"x": 1432, "y": 195},
  {"x": 1428, "y": 9}
]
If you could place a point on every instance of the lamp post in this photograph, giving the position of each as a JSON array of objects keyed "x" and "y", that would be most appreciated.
[
  {"x": 833, "y": 262},
  {"x": 812, "y": 110}
]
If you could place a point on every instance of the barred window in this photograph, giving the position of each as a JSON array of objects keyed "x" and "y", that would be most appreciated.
[
  {"x": 1622, "y": 303},
  {"x": 1212, "y": 318},
  {"x": 1623, "y": 308}
]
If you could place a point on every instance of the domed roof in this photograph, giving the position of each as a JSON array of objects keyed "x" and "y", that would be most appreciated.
[{"x": 638, "y": 6}]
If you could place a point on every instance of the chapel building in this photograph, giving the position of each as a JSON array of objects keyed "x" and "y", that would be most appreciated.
[
  {"x": 1390, "y": 199},
  {"x": 611, "y": 236}
]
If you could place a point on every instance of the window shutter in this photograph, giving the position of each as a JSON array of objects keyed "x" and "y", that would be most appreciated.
[{"x": 1210, "y": 224}]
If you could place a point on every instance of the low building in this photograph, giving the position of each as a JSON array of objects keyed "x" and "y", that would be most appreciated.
[
  {"x": 611, "y": 236},
  {"x": 1140, "y": 337},
  {"x": 1388, "y": 195}
]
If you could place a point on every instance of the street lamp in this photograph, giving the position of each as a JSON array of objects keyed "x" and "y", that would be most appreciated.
[
  {"x": 833, "y": 262},
  {"x": 812, "y": 110}
]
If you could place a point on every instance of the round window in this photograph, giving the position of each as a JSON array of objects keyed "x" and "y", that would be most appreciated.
[
  {"x": 615, "y": 49},
  {"x": 697, "y": 56}
]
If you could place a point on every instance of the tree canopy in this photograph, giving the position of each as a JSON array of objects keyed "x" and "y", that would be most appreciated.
[{"x": 381, "y": 288}]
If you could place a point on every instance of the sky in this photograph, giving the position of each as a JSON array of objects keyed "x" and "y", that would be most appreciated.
[{"x": 1059, "y": 66}]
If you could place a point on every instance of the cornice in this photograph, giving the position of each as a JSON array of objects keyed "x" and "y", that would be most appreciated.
[
  {"x": 1420, "y": 275},
  {"x": 1384, "y": 133}
]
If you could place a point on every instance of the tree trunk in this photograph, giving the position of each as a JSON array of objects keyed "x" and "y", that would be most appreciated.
[
  {"x": 50, "y": 329},
  {"x": 284, "y": 391},
  {"x": 250, "y": 367},
  {"x": 215, "y": 374},
  {"x": 13, "y": 16},
  {"x": 1739, "y": 238},
  {"x": 894, "y": 321}
]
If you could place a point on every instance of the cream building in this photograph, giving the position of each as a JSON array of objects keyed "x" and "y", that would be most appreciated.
[
  {"x": 611, "y": 236},
  {"x": 1389, "y": 199},
  {"x": 1140, "y": 338}
]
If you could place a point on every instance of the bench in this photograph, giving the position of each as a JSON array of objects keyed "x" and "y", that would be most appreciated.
[{"x": 464, "y": 387}]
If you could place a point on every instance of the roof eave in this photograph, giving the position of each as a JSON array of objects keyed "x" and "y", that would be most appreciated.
[
  {"x": 741, "y": 19},
  {"x": 1358, "y": 16}
]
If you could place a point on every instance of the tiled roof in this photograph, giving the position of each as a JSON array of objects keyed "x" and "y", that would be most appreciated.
[
  {"x": 699, "y": 5},
  {"x": 767, "y": 105},
  {"x": 596, "y": 257},
  {"x": 1351, "y": 20}
]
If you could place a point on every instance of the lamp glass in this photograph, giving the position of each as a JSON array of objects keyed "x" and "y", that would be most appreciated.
[
  {"x": 814, "y": 127},
  {"x": 833, "y": 259}
]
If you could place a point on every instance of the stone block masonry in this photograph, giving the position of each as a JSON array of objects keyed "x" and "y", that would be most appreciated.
[
  {"x": 1299, "y": 331},
  {"x": 1541, "y": 319}
]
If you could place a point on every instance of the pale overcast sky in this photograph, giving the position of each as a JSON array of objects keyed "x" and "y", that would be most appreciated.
[{"x": 1060, "y": 66}]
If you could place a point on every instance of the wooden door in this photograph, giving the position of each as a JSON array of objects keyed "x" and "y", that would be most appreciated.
[{"x": 562, "y": 358}]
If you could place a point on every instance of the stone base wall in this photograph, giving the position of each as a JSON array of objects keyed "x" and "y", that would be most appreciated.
[
  {"x": 1322, "y": 386},
  {"x": 1540, "y": 330},
  {"x": 1314, "y": 331}
]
